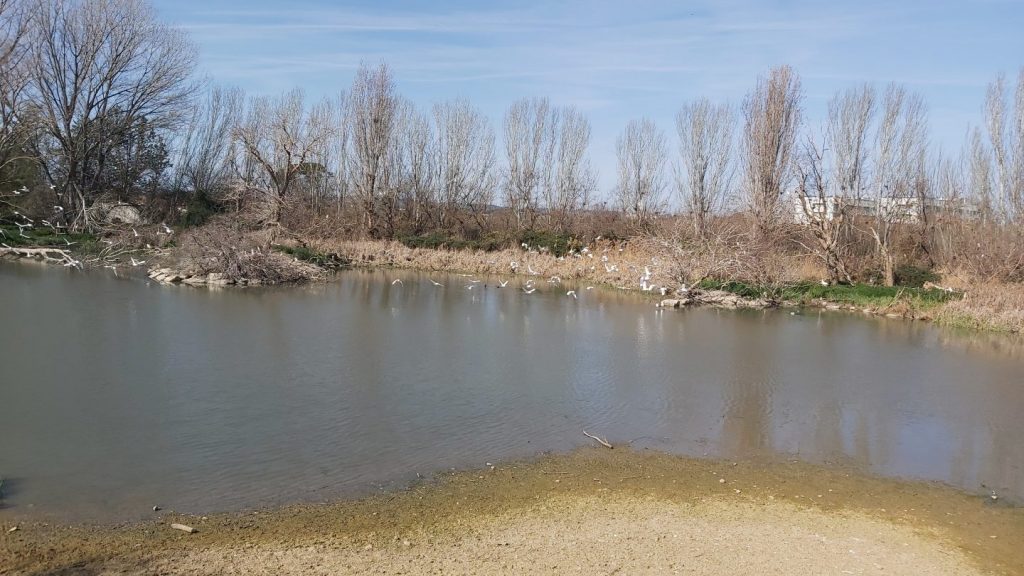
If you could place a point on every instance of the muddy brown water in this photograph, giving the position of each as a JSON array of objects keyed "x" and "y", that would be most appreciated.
[{"x": 118, "y": 394}]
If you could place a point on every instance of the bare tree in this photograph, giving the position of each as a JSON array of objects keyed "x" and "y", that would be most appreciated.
[
  {"x": 464, "y": 160},
  {"x": 771, "y": 121},
  {"x": 642, "y": 153},
  {"x": 100, "y": 67},
  {"x": 372, "y": 116},
  {"x": 704, "y": 175},
  {"x": 980, "y": 173},
  {"x": 417, "y": 166},
  {"x": 900, "y": 149},
  {"x": 530, "y": 140},
  {"x": 1006, "y": 137},
  {"x": 571, "y": 179},
  {"x": 831, "y": 175},
  {"x": 203, "y": 161},
  {"x": 282, "y": 138},
  {"x": 15, "y": 122}
]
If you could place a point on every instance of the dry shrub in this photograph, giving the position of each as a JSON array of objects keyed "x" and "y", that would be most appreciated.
[
  {"x": 224, "y": 247},
  {"x": 986, "y": 254},
  {"x": 994, "y": 306},
  {"x": 730, "y": 253}
]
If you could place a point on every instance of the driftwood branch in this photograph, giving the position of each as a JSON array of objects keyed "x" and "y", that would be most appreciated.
[
  {"x": 600, "y": 441},
  {"x": 47, "y": 254}
]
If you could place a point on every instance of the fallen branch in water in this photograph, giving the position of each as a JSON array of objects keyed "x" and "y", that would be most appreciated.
[
  {"x": 602, "y": 442},
  {"x": 47, "y": 254}
]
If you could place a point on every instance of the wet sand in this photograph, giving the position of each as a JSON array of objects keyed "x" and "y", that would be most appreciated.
[{"x": 595, "y": 511}]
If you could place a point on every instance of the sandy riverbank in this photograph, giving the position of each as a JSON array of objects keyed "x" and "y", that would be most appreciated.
[{"x": 595, "y": 511}]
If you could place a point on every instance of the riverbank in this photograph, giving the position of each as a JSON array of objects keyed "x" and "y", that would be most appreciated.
[
  {"x": 642, "y": 265},
  {"x": 988, "y": 307},
  {"x": 594, "y": 511}
]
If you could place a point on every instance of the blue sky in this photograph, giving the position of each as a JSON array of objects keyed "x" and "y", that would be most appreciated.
[{"x": 614, "y": 60}]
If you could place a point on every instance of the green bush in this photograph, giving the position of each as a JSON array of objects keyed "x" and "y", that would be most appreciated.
[
  {"x": 441, "y": 241},
  {"x": 322, "y": 259},
  {"x": 557, "y": 244},
  {"x": 199, "y": 209},
  {"x": 914, "y": 276}
]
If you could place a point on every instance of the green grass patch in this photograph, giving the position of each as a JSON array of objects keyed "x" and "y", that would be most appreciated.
[
  {"x": 860, "y": 295},
  {"x": 45, "y": 237}
]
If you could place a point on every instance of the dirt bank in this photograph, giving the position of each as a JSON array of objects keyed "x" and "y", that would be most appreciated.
[{"x": 596, "y": 511}]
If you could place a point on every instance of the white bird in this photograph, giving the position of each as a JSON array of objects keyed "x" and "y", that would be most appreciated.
[
  {"x": 529, "y": 268},
  {"x": 398, "y": 281},
  {"x": 824, "y": 282},
  {"x": 514, "y": 265},
  {"x": 647, "y": 273},
  {"x": 474, "y": 281},
  {"x": 664, "y": 290},
  {"x": 590, "y": 287},
  {"x": 469, "y": 286},
  {"x": 435, "y": 283},
  {"x": 69, "y": 243},
  {"x": 683, "y": 288},
  {"x": 612, "y": 268},
  {"x": 167, "y": 230},
  {"x": 572, "y": 293},
  {"x": 555, "y": 280},
  {"x": 530, "y": 291},
  {"x": 503, "y": 284},
  {"x": 58, "y": 208},
  {"x": 135, "y": 233},
  {"x": 137, "y": 262}
]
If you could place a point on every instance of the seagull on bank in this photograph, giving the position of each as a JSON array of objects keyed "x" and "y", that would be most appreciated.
[
  {"x": 572, "y": 293},
  {"x": 398, "y": 281}
]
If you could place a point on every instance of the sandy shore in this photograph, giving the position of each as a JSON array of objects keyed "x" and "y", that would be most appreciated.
[{"x": 595, "y": 511}]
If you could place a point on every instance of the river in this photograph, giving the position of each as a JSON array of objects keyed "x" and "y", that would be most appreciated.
[{"x": 118, "y": 394}]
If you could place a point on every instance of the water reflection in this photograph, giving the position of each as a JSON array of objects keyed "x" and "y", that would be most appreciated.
[{"x": 118, "y": 394}]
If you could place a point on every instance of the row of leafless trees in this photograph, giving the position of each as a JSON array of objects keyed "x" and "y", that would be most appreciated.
[
  {"x": 867, "y": 171},
  {"x": 98, "y": 104}
]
